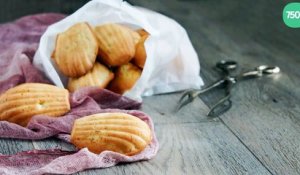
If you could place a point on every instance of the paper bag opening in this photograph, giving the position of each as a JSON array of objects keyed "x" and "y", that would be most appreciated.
[{"x": 171, "y": 65}]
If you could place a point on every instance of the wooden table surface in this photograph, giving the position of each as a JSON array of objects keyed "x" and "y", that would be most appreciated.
[{"x": 259, "y": 135}]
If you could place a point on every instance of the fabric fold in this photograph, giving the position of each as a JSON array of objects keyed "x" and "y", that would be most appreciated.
[{"x": 19, "y": 41}]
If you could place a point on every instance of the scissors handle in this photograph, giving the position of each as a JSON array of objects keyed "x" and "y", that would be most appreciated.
[
  {"x": 226, "y": 66},
  {"x": 228, "y": 81},
  {"x": 223, "y": 105},
  {"x": 258, "y": 72}
]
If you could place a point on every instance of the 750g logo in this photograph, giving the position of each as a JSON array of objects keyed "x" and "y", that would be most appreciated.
[{"x": 291, "y": 15}]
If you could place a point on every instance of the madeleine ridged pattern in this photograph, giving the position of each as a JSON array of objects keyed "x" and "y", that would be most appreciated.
[
  {"x": 116, "y": 44},
  {"x": 142, "y": 32},
  {"x": 125, "y": 78},
  {"x": 19, "y": 104},
  {"x": 99, "y": 76},
  {"x": 135, "y": 35},
  {"x": 76, "y": 50},
  {"x": 140, "y": 53},
  {"x": 118, "y": 132}
]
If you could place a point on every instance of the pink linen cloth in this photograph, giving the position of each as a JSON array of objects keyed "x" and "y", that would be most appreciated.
[{"x": 19, "y": 41}]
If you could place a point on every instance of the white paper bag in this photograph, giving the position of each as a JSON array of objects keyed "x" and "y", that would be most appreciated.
[{"x": 172, "y": 63}]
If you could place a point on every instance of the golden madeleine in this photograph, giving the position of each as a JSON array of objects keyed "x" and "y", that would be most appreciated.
[
  {"x": 99, "y": 76},
  {"x": 140, "y": 53},
  {"x": 118, "y": 132},
  {"x": 142, "y": 32},
  {"x": 125, "y": 77},
  {"x": 19, "y": 104},
  {"x": 76, "y": 50},
  {"x": 116, "y": 44},
  {"x": 135, "y": 35}
]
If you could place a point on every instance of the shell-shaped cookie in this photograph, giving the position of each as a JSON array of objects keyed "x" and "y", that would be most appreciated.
[
  {"x": 140, "y": 53},
  {"x": 118, "y": 132},
  {"x": 76, "y": 50},
  {"x": 125, "y": 77},
  {"x": 99, "y": 76},
  {"x": 135, "y": 35},
  {"x": 116, "y": 44},
  {"x": 19, "y": 104},
  {"x": 142, "y": 32}
]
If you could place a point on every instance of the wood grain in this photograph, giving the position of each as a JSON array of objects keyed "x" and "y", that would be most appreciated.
[
  {"x": 166, "y": 114},
  {"x": 265, "y": 115},
  {"x": 13, "y": 146},
  {"x": 259, "y": 135},
  {"x": 193, "y": 148}
]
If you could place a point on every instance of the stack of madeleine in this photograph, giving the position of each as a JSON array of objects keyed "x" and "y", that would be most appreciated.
[{"x": 108, "y": 56}]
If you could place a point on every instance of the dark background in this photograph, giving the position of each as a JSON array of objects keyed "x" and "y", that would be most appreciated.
[
  {"x": 13, "y": 9},
  {"x": 259, "y": 19}
]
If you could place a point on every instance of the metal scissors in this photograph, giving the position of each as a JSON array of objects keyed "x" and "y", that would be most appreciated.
[{"x": 227, "y": 82}]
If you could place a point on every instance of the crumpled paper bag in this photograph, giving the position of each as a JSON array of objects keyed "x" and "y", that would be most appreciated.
[{"x": 172, "y": 63}]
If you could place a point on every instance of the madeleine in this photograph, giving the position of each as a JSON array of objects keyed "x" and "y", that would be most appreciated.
[
  {"x": 76, "y": 50},
  {"x": 142, "y": 32},
  {"x": 99, "y": 76},
  {"x": 125, "y": 78},
  {"x": 19, "y": 104},
  {"x": 140, "y": 53},
  {"x": 116, "y": 44},
  {"x": 118, "y": 132}
]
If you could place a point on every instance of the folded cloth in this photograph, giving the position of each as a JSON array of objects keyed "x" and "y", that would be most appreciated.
[
  {"x": 19, "y": 41},
  {"x": 56, "y": 161}
]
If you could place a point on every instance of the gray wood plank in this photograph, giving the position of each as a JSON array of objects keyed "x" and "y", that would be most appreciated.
[
  {"x": 163, "y": 108},
  {"x": 13, "y": 146},
  {"x": 52, "y": 143},
  {"x": 193, "y": 148},
  {"x": 269, "y": 129},
  {"x": 265, "y": 115}
]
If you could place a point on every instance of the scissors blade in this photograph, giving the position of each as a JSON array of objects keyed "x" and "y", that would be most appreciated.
[
  {"x": 182, "y": 103},
  {"x": 190, "y": 95}
]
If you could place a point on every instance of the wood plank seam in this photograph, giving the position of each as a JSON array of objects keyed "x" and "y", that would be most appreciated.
[{"x": 246, "y": 146}]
